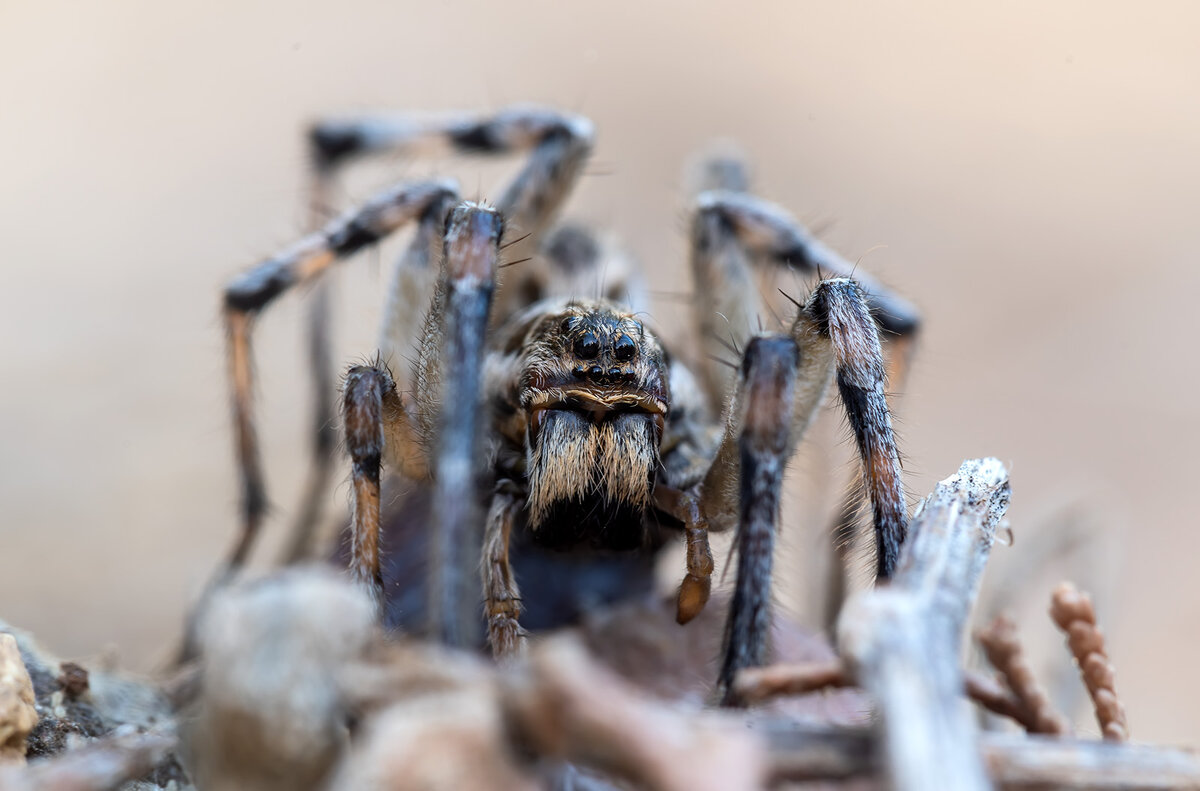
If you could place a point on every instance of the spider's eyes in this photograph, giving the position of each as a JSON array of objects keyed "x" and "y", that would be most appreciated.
[
  {"x": 587, "y": 347},
  {"x": 624, "y": 348}
]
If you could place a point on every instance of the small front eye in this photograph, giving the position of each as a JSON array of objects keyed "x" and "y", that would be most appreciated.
[
  {"x": 624, "y": 348},
  {"x": 587, "y": 347}
]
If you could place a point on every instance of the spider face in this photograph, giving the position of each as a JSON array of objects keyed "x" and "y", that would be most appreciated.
[{"x": 594, "y": 392}]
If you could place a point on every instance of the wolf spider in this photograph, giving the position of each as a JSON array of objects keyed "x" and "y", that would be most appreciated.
[{"x": 586, "y": 442}]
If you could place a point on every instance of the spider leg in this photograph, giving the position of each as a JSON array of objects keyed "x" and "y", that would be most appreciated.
[
  {"x": 301, "y": 544},
  {"x": 838, "y": 312},
  {"x": 556, "y": 146},
  {"x": 247, "y": 295},
  {"x": 728, "y": 296},
  {"x": 697, "y": 584},
  {"x": 575, "y": 261},
  {"x": 764, "y": 402},
  {"x": 366, "y": 393},
  {"x": 844, "y": 529},
  {"x": 451, "y": 371},
  {"x": 502, "y": 605},
  {"x": 766, "y": 229}
]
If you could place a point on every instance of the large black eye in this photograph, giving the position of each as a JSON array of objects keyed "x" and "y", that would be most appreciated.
[
  {"x": 587, "y": 347},
  {"x": 624, "y": 348}
]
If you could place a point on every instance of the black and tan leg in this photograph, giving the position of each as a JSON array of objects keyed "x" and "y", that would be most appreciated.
[
  {"x": 767, "y": 230},
  {"x": 366, "y": 394},
  {"x": 302, "y": 543},
  {"x": 556, "y": 146},
  {"x": 764, "y": 403},
  {"x": 696, "y": 587},
  {"x": 249, "y": 294},
  {"x": 838, "y": 313},
  {"x": 502, "y": 600}
]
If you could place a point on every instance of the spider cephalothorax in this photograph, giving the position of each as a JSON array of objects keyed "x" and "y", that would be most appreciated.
[
  {"x": 590, "y": 442},
  {"x": 594, "y": 396}
]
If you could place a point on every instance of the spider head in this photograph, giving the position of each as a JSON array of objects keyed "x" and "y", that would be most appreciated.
[{"x": 594, "y": 390}]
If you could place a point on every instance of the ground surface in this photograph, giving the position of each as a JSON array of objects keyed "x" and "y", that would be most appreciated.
[{"x": 1032, "y": 173}]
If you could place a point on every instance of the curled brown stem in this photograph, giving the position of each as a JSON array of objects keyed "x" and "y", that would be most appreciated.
[
  {"x": 1004, "y": 651},
  {"x": 1075, "y": 616}
]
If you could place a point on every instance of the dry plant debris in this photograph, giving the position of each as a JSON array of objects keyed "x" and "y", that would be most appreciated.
[
  {"x": 1075, "y": 616},
  {"x": 1003, "y": 650},
  {"x": 298, "y": 689},
  {"x": 18, "y": 712}
]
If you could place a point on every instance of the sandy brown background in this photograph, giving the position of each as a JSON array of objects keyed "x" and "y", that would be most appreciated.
[{"x": 1031, "y": 170}]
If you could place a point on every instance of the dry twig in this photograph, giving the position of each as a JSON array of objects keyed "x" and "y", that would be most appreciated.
[
  {"x": 902, "y": 641},
  {"x": 1073, "y": 613},
  {"x": 1003, "y": 649},
  {"x": 757, "y": 685}
]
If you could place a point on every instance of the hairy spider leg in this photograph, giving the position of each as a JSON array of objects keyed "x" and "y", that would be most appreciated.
[
  {"x": 765, "y": 399},
  {"x": 840, "y": 312},
  {"x": 843, "y": 531},
  {"x": 502, "y": 599}
]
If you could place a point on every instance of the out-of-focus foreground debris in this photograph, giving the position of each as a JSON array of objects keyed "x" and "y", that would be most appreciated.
[
  {"x": 297, "y": 689},
  {"x": 18, "y": 713},
  {"x": 87, "y": 729}
]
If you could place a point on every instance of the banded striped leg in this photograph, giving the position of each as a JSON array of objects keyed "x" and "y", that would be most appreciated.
[
  {"x": 558, "y": 144},
  {"x": 251, "y": 292},
  {"x": 382, "y": 426},
  {"x": 764, "y": 403},
  {"x": 837, "y": 317},
  {"x": 766, "y": 229},
  {"x": 697, "y": 583},
  {"x": 366, "y": 393},
  {"x": 502, "y": 605},
  {"x": 301, "y": 544},
  {"x": 844, "y": 530}
]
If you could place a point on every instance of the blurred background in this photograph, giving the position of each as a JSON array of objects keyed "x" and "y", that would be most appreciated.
[{"x": 1027, "y": 174}]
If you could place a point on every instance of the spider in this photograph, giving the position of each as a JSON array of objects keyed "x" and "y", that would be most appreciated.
[{"x": 556, "y": 430}]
